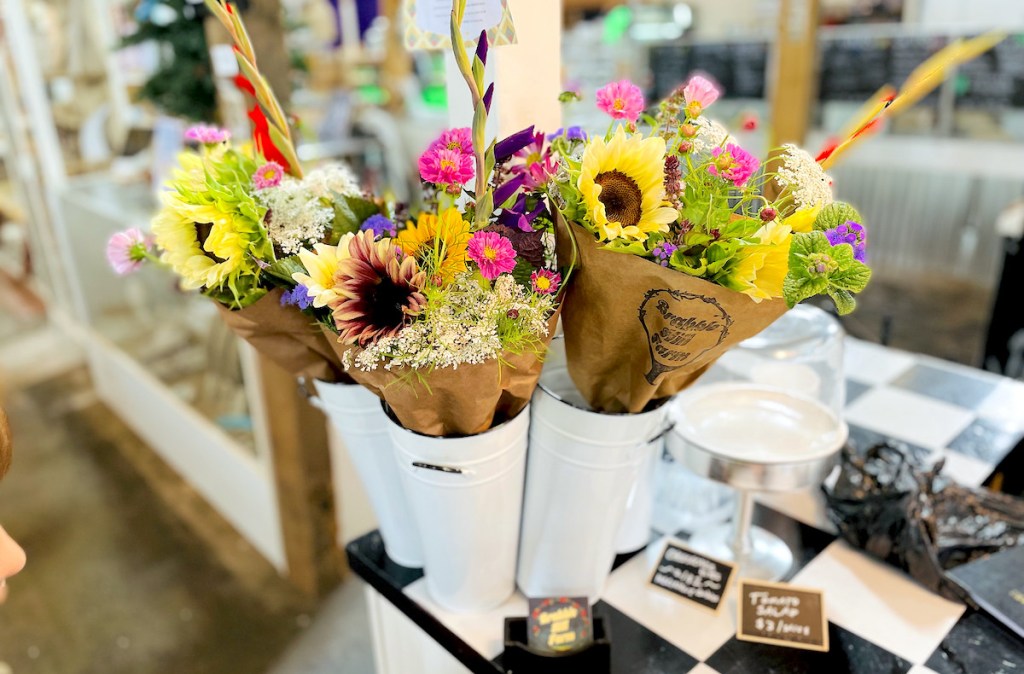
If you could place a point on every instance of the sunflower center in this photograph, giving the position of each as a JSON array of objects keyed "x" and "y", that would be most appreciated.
[
  {"x": 203, "y": 231},
  {"x": 387, "y": 302},
  {"x": 621, "y": 196}
]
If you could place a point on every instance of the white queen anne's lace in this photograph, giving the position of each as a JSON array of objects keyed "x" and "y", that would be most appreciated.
[
  {"x": 462, "y": 326},
  {"x": 300, "y": 210},
  {"x": 803, "y": 178}
]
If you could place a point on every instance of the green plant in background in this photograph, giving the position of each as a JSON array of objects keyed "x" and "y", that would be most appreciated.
[{"x": 182, "y": 85}]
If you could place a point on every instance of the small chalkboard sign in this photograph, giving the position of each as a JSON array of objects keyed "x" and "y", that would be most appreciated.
[
  {"x": 559, "y": 624},
  {"x": 780, "y": 614},
  {"x": 692, "y": 576}
]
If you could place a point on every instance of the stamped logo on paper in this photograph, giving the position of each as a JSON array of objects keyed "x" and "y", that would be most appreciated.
[{"x": 681, "y": 327}]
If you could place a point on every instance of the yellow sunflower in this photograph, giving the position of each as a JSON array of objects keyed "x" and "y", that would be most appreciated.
[
  {"x": 438, "y": 243},
  {"x": 623, "y": 185},
  {"x": 803, "y": 219},
  {"x": 760, "y": 268},
  {"x": 210, "y": 229}
]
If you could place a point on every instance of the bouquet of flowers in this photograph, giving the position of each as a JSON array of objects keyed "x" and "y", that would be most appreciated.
[
  {"x": 446, "y": 313},
  {"x": 688, "y": 244},
  {"x": 234, "y": 217}
]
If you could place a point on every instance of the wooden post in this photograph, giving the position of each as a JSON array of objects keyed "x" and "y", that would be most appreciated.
[
  {"x": 793, "y": 67},
  {"x": 302, "y": 474},
  {"x": 397, "y": 65}
]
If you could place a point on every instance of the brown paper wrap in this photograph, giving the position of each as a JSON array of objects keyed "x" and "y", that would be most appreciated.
[
  {"x": 286, "y": 336},
  {"x": 459, "y": 401},
  {"x": 636, "y": 331}
]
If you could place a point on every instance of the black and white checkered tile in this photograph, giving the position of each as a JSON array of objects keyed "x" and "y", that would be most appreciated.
[{"x": 880, "y": 620}]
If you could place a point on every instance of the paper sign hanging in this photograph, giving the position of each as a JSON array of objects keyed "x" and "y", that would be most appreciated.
[{"x": 427, "y": 23}]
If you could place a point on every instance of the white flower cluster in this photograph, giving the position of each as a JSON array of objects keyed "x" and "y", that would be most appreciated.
[
  {"x": 710, "y": 134},
  {"x": 804, "y": 178},
  {"x": 465, "y": 323},
  {"x": 300, "y": 210},
  {"x": 296, "y": 216},
  {"x": 327, "y": 180}
]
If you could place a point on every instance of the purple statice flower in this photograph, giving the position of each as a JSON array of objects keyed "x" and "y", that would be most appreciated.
[
  {"x": 380, "y": 226},
  {"x": 298, "y": 297},
  {"x": 572, "y": 133},
  {"x": 852, "y": 233},
  {"x": 663, "y": 252}
]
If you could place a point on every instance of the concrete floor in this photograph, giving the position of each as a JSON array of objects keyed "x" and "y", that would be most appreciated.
[{"x": 117, "y": 584}]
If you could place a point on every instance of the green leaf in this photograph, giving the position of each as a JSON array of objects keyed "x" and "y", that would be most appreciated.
[
  {"x": 281, "y": 271},
  {"x": 522, "y": 272},
  {"x": 855, "y": 278},
  {"x": 349, "y": 213},
  {"x": 806, "y": 243},
  {"x": 633, "y": 248},
  {"x": 844, "y": 300},
  {"x": 688, "y": 264},
  {"x": 796, "y": 289},
  {"x": 835, "y": 214},
  {"x": 489, "y": 159}
]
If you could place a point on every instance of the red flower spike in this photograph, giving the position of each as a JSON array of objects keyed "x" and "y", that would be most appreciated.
[
  {"x": 261, "y": 136},
  {"x": 830, "y": 146},
  {"x": 243, "y": 83}
]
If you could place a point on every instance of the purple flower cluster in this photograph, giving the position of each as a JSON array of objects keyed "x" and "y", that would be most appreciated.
[
  {"x": 852, "y": 233},
  {"x": 379, "y": 225},
  {"x": 573, "y": 133},
  {"x": 298, "y": 297},
  {"x": 663, "y": 252}
]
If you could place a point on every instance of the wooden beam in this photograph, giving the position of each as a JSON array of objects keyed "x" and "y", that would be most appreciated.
[
  {"x": 302, "y": 474},
  {"x": 793, "y": 67}
]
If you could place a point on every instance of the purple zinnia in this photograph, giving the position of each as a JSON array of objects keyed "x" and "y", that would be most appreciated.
[
  {"x": 852, "y": 233},
  {"x": 297, "y": 296},
  {"x": 379, "y": 225}
]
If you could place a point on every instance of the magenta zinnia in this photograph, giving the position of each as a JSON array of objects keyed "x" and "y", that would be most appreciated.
[
  {"x": 460, "y": 140},
  {"x": 450, "y": 168},
  {"x": 493, "y": 253},
  {"x": 621, "y": 100},
  {"x": 545, "y": 282},
  {"x": 380, "y": 290},
  {"x": 733, "y": 163}
]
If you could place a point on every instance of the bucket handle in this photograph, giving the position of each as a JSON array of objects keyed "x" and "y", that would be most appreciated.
[
  {"x": 661, "y": 433},
  {"x": 309, "y": 393},
  {"x": 442, "y": 469}
]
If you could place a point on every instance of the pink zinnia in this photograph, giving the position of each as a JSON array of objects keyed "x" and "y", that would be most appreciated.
[
  {"x": 127, "y": 250},
  {"x": 207, "y": 134},
  {"x": 493, "y": 253},
  {"x": 545, "y": 282},
  {"x": 621, "y": 100},
  {"x": 699, "y": 93},
  {"x": 450, "y": 168},
  {"x": 733, "y": 163},
  {"x": 268, "y": 175},
  {"x": 460, "y": 140}
]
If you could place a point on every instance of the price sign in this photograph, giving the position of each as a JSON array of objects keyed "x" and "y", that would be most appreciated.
[
  {"x": 780, "y": 614},
  {"x": 692, "y": 576}
]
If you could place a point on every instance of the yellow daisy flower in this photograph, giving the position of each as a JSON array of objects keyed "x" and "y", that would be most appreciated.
[
  {"x": 438, "y": 243},
  {"x": 760, "y": 268},
  {"x": 322, "y": 263},
  {"x": 623, "y": 185}
]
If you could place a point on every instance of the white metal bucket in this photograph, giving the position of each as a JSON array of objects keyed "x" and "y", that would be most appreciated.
[
  {"x": 466, "y": 495},
  {"x": 635, "y": 530},
  {"x": 581, "y": 471},
  {"x": 357, "y": 416}
]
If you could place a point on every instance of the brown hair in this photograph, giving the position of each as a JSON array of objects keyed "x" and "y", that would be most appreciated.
[{"x": 5, "y": 444}]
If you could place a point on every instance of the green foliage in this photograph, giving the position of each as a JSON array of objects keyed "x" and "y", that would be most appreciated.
[
  {"x": 182, "y": 85},
  {"x": 836, "y": 214},
  {"x": 349, "y": 213},
  {"x": 817, "y": 268},
  {"x": 280, "y": 273}
]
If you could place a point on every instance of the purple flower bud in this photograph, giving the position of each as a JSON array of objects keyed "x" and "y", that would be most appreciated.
[
  {"x": 503, "y": 192},
  {"x": 488, "y": 95},
  {"x": 514, "y": 143},
  {"x": 481, "y": 47},
  {"x": 574, "y": 133}
]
